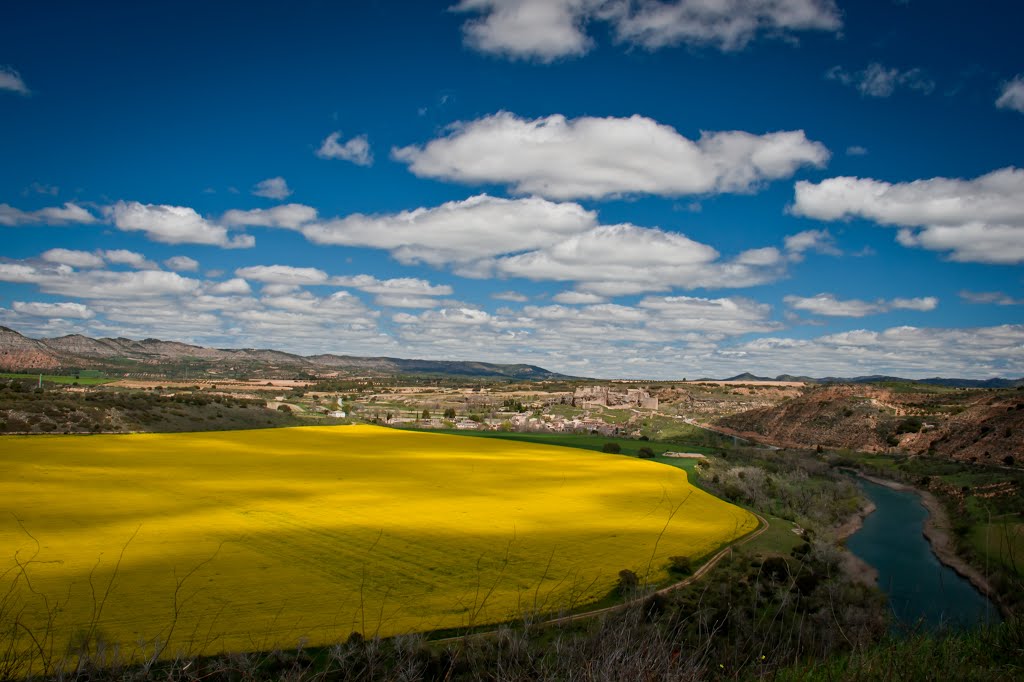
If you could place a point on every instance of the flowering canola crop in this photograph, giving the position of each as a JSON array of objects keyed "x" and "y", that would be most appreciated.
[{"x": 248, "y": 540}]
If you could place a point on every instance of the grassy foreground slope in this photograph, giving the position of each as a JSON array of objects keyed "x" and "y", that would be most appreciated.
[{"x": 252, "y": 539}]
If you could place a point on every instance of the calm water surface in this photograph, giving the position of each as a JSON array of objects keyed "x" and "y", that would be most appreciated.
[{"x": 920, "y": 589}]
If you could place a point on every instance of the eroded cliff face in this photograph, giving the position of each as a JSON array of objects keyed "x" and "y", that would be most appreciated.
[
  {"x": 978, "y": 425},
  {"x": 989, "y": 429},
  {"x": 20, "y": 352}
]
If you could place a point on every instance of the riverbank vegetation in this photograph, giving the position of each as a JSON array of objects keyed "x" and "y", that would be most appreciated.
[{"x": 985, "y": 504}]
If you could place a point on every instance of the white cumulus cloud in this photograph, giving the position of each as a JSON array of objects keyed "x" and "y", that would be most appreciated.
[
  {"x": 913, "y": 352},
  {"x": 513, "y": 296},
  {"x": 577, "y": 298},
  {"x": 882, "y": 81},
  {"x": 818, "y": 241},
  {"x": 1012, "y": 95},
  {"x": 12, "y": 80},
  {"x": 235, "y": 285},
  {"x": 545, "y": 30},
  {"x": 591, "y": 157},
  {"x": 272, "y": 188},
  {"x": 457, "y": 231},
  {"x": 616, "y": 260},
  {"x": 289, "y": 216},
  {"x": 529, "y": 29},
  {"x": 173, "y": 225},
  {"x": 990, "y": 297},
  {"x": 282, "y": 274},
  {"x": 67, "y": 214},
  {"x": 399, "y": 286},
  {"x": 64, "y": 280},
  {"x": 405, "y": 301},
  {"x": 129, "y": 258},
  {"x": 828, "y": 304},
  {"x": 356, "y": 149},
  {"x": 77, "y": 259},
  {"x": 182, "y": 264},
  {"x": 725, "y": 24},
  {"x": 485, "y": 236},
  {"x": 67, "y": 311},
  {"x": 977, "y": 220}
]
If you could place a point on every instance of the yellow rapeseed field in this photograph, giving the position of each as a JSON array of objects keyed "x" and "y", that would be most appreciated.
[{"x": 253, "y": 539}]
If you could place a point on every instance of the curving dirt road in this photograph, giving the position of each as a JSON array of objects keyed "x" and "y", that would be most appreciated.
[{"x": 697, "y": 575}]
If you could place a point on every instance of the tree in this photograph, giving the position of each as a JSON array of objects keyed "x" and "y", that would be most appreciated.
[
  {"x": 628, "y": 582},
  {"x": 449, "y": 413},
  {"x": 680, "y": 564},
  {"x": 645, "y": 452},
  {"x": 613, "y": 448},
  {"x": 513, "y": 405},
  {"x": 426, "y": 414}
]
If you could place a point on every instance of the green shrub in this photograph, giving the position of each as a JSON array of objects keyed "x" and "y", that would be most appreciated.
[
  {"x": 613, "y": 448},
  {"x": 628, "y": 582},
  {"x": 909, "y": 425}
]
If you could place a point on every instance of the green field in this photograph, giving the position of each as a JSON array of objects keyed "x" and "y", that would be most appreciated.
[
  {"x": 1002, "y": 542},
  {"x": 779, "y": 538}
]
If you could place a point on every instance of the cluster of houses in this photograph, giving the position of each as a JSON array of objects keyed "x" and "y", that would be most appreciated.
[
  {"x": 513, "y": 422},
  {"x": 336, "y": 413}
]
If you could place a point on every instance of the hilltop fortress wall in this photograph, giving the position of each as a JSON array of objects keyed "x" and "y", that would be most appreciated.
[{"x": 603, "y": 396}]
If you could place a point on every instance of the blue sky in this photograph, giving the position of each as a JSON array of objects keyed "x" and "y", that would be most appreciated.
[{"x": 656, "y": 189}]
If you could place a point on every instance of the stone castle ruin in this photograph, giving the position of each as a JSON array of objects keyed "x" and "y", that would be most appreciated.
[{"x": 603, "y": 396}]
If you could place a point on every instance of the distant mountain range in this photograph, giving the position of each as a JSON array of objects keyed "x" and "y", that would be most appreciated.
[
  {"x": 994, "y": 382},
  {"x": 120, "y": 355},
  {"x": 21, "y": 353}
]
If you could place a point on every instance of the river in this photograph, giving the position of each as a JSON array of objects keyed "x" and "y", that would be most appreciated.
[{"x": 919, "y": 587}]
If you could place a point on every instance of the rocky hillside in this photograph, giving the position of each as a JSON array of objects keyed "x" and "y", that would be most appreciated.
[
  {"x": 27, "y": 410},
  {"x": 970, "y": 425},
  {"x": 20, "y": 353},
  {"x": 17, "y": 351}
]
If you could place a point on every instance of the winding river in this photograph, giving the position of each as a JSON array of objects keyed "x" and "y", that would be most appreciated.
[{"x": 920, "y": 588}]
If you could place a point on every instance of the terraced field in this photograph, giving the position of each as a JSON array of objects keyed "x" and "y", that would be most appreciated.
[{"x": 253, "y": 539}]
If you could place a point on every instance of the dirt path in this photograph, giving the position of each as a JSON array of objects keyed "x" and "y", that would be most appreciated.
[
  {"x": 938, "y": 532},
  {"x": 697, "y": 575},
  {"x": 275, "y": 404}
]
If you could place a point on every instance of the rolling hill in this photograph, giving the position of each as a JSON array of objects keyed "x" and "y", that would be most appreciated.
[{"x": 21, "y": 353}]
